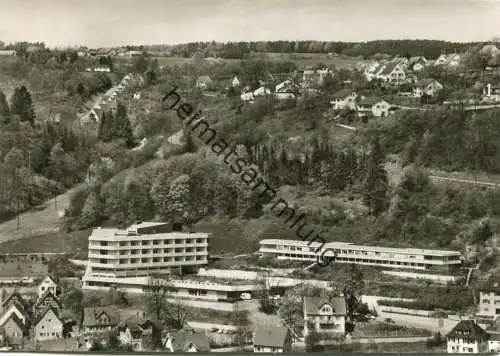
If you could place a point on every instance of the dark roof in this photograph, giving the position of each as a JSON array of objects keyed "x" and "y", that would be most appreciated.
[
  {"x": 38, "y": 319},
  {"x": 274, "y": 337},
  {"x": 182, "y": 340},
  {"x": 470, "y": 330},
  {"x": 21, "y": 310},
  {"x": 313, "y": 304},
  {"x": 90, "y": 315},
  {"x": 415, "y": 60},
  {"x": 341, "y": 94},
  {"x": 492, "y": 284},
  {"x": 20, "y": 300},
  {"x": 389, "y": 68},
  {"x": 494, "y": 336},
  {"x": 46, "y": 295},
  {"x": 371, "y": 100}
]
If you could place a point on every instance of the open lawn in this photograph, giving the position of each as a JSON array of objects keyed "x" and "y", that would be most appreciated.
[{"x": 38, "y": 222}]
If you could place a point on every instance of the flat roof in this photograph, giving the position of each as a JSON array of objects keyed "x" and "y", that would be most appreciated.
[
  {"x": 113, "y": 234},
  {"x": 339, "y": 245}
]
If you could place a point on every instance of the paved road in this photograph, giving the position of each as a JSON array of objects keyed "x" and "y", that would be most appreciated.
[{"x": 461, "y": 180}]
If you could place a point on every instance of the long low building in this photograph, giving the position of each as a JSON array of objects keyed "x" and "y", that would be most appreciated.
[{"x": 344, "y": 252}]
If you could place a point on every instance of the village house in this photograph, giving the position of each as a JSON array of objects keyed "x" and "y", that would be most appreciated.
[
  {"x": 491, "y": 92},
  {"x": 262, "y": 91},
  {"x": 247, "y": 96},
  {"x": 428, "y": 86},
  {"x": 286, "y": 86},
  {"x": 324, "y": 316},
  {"x": 392, "y": 73},
  {"x": 203, "y": 82},
  {"x": 373, "y": 106},
  {"x": 16, "y": 310},
  {"x": 47, "y": 284},
  {"x": 344, "y": 99},
  {"x": 186, "y": 341},
  {"x": 417, "y": 63},
  {"x": 494, "y": 340},
  {"x": 48, "y": 325},
  {"x": 276, "y": 339},
  {"x": 467, "y": 337},
  {"x": 453, "y": 60},
  {"x": 135, "y": 329},
  {"x": 100, "y": 319},
  {"x": 441, "y": 60},
  {"x": 46, "y": 301},
  {"x": 235, "y": 82},
  {"x": 14, "y": 330},
  {"x": 15, "y": 298}
]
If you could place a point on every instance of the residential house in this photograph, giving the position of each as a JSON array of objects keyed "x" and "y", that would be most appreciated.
[
  {"x": 14, "y": 299},
  {"x": 344, "y": 99},
  {"x": 417, "y": 63},
  {"x": 203, "y": 82},
  {"x": 441, "y": 60},
  {"x": 467, "y": 337},
  {"x": 285, "y": 87},
  {"x": 14, "y": 329},
  {"x": 14, "y": 309},
  {"x": 134, "y": 53},
  {"x": 494, "y": 340},
  {"x": 276, "y": 339},
  {"x": 48, "y": 325},
  {"x": 101, "y": 319},
  {"x": 262, "y": 91},
  {"x": 235, "y": 82},
  {"x": 428, "y": 87},
  {"x": 392, "y": 73},
  {"x": 491, "y": 92},
  {"x": 47, "y": 284},
  {"x": 373, "y": 106},
  {"x": 247, "y": 96},
  {"x": 324, "y": 316},
  {"x": 136, "y": 328},
  {"x": 371, "y": 69},
  {"x": 453, "y": 60},
  {"x": 46, "y": 301},
  {"x": 186, "y": 341}
]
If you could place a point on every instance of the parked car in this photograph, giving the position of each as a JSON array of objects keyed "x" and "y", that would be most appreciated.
[{"x": 246, "y": 296}]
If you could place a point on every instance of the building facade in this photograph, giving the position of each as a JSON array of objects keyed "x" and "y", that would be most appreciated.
[
  {"x": 489, "y": 304},
  {"x": 143, "y": 249},
  {"x": 324, "y": 316},
  {"x": 467, "y": 337},
  {"x": 49, "y": 326},
  {"x": 344, "y": 252}
]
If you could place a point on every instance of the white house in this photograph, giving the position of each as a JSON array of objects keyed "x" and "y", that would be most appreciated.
[
  {"x": 453, "y": 60},
  {"x": 392, "y": 73},
  {"x": 442, "y": 59},
  {"x": 235, "y": 82},
  {"x": 373, "y": 106},
  {"x": 49, "y": 326},
  {"x": 417, "y": 63},
  {"x": 262, "y": 91},
  {"x": 428, "y": 87},
  {"x": 187, "y": 341},
  {"x": 47, "y": 284},
  {"x": 284, "y": 87},
  {"x": 324, "y": 316},
  {"x": 247, "y": 96},
  {"x": 344, "y": 99},
  {"x": 275, "y": 339},
  {"x": 494, "y": 341},
  {"x": 467, "y": 337}
]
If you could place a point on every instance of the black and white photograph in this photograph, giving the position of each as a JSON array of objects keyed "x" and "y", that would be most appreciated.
[{"x": 238, "y": 176}]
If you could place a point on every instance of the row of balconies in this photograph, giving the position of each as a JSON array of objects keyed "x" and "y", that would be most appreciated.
[{"x": 148, "y": 264}]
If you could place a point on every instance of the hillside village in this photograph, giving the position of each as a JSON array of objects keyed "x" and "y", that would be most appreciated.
[{"x": 392, "y": 159}]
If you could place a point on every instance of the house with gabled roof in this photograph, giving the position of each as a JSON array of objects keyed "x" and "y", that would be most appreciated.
[
  {"x": 494, "y": 340},
  {"x": 427, "y": 86},
  {"x": 15, "y": 298},
  {"x": 136, "y": 328},
  {"x": 392, "y": 73},
  {"x": 47, "y": 284},
  {"x": 441, "y": 60},
  {"x": 14, "y": 329},
  {"x": 273, "y": 339},
  {"x": 100, "y": 319},
  {"x": 467, "y": 337},
  {"x": 344, "y": 99},
  {"x": 373, "y": 106},
  {"x": 324, "y": 315},
  {"x": 417, "y": 63},
  {"x": 48, "y": 325},
  {"x": 187, "y": 341},
  {"x": 46, "y": 301},
  {"x": 235, "y": 82},
  {"x": 203, "y": 82},
  {"x": 14, "y": 309}
]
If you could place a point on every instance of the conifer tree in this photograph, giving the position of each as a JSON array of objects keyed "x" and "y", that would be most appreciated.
[
  {"x": 4, "y": 109},
  {"x": 22, "y": 105},
  {"x": 375, "y": 185}
]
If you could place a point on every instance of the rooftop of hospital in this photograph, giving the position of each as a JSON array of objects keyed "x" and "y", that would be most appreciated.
[{"x": 351, "y": 246}]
